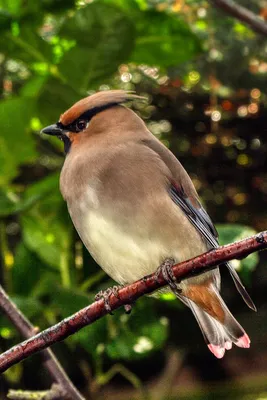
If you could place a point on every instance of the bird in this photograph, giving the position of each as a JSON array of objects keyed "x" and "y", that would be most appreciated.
[{"x": 134, "y": 206}]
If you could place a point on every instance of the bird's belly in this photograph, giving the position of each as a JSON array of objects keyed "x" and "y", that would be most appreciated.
[
  {"x": 128, "y": 252},
  {"x": 123, "y": 255}
]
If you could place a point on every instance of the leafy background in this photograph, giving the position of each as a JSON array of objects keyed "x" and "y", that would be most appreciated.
[{"x": 204, "y": 76}]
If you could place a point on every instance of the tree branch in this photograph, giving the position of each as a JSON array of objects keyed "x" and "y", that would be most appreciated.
[
  {"x": 243, "y": 14},
  {"x": 129, "y": 294},
  {"x": 25, "y": 328}
]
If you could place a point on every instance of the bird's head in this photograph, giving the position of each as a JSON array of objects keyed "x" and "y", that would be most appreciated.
[{"x": 77, "y": 119}]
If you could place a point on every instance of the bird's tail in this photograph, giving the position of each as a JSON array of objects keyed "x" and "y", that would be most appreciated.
[{"x": 219, "y": 328}]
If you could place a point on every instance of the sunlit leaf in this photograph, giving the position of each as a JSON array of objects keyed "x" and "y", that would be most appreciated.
[
  {"x": 11, "y": 6},
  {"x": 229, "y": 233},
  {"x": 163, "y": 40},
  {"x": 105, "y": 38},
  {"x": 34, "y": 86}
]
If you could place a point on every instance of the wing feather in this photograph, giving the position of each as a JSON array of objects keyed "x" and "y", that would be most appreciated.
[
  {"x": 203, "y": 225},
  {"x": 183, "y": 193}
]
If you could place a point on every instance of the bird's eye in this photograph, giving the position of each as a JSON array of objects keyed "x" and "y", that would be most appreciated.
[{"x": 81, "y": 125}]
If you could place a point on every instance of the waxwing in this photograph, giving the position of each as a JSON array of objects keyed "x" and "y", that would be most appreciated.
[{"x": 134, "y": 206}]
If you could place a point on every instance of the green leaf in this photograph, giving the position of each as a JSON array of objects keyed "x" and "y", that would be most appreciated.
[
  {"x": 229, "y": 233},
  {"x": 16, "y": 143},
  {"x": 8, "y": 202},
  {"x": 131, "y": 7},
  {"x": 20, "y": 8},
  {"x": 26, "y": 265},
  {"x": 69, "y": 301},
  {"x": 105, "y": 38},
  {"x": 45, "y": 231},
  {"x": 40, "y": 189},
  {"x": 45, "y": 286},
  {"x": 58, "y": 6},
  {"x": 29, "y": 306},
  {"x": 163, "y": 40},
  {"x": 123, "y": 336},
  {"x": 11, "y": 203},
  {"x": 42, "y": 237},
  {"x": 92, "y": 337},
  {"x": 34, "y": 86},
  {"x": 27, "y": 46},
  {"x": 11, "y": 6},
  {"x": 5, "y": 20},
  {"x": 138, "y": 335},
  {"x": 55, "y": 98}
]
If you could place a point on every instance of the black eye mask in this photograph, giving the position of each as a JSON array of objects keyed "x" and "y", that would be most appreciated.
[{"x": 79, "y": 124}]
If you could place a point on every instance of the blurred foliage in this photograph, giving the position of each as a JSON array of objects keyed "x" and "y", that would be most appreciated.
[
  {"x": 229, "y": 233},
  {"x": 204, "y": 78}
]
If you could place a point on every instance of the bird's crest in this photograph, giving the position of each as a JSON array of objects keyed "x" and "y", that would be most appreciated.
[{"x": 97, "y": 102}]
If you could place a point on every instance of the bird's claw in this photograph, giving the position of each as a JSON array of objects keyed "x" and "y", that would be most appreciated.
[
  {"x": 105, "y": 295},
  {"x": 167, "y": 272}
]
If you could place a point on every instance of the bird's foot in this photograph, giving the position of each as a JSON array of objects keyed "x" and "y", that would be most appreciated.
[
  {"x": 166, "y": 270},
  {"x": 105, "y": 295}
]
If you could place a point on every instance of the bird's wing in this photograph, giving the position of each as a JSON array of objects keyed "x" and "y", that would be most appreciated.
[{"x": 183, "y": 194}]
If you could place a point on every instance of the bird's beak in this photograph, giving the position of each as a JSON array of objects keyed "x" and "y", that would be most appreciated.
[{"x": 53, "y": 130}]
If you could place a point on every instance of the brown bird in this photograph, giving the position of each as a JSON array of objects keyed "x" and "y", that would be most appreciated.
[{"x": 134, "y": 206}]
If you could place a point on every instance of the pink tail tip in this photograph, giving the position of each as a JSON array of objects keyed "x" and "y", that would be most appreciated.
[
  {"x": 216, "y": 350},
  {"x": 244, "y": 341}
]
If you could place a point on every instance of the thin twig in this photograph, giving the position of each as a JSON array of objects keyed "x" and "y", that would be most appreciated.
[
  {"x": 129, "y": 294},
  {"x": 243, "y": 14},
  {"x": 51, "y": 363},
  {"x": 55, "y": 393},
  {"x": 127, "y": 374}
]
